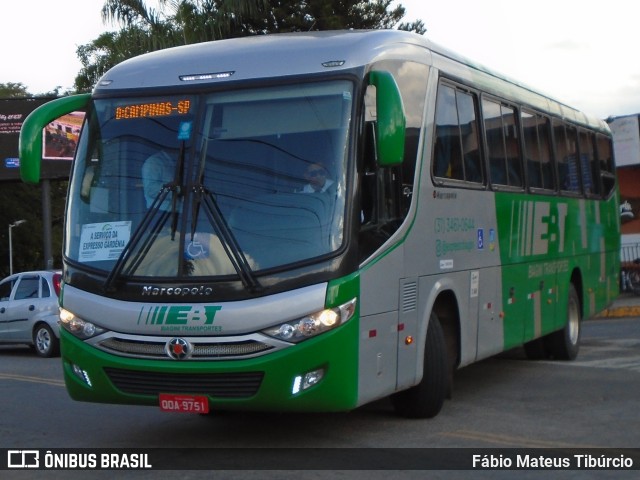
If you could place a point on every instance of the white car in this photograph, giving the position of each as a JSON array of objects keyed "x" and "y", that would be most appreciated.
[{"x": 29, "y": 311}]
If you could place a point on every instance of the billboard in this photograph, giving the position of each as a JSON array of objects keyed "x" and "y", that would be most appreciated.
[
  {"x": 626, "y": 145},
  {"x": 626, "y": 140},
  {"x": 60, "y": 139}
]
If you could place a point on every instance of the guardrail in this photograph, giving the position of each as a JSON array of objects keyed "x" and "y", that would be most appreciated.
[{"x": 629, "y": 252}]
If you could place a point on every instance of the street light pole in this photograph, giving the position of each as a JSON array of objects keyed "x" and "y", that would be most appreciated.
[{"x": 11, "y": 225}]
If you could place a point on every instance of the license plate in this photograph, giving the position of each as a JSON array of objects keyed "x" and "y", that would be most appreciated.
[{"x": 183, "y": 403}]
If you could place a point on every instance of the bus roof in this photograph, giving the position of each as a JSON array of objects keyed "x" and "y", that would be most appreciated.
[{"x": 289, "y": 54}]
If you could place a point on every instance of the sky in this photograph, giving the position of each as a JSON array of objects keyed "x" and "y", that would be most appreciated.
[{"x": 582, "y": 52}]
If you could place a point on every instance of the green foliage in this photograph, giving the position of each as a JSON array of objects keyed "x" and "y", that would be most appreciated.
[
  {"x": 13, "y": 90},
  {"x": 19, "y": 90},
  {"x": 24, "y": 202},
  {"x": 109, "y": 49},
  {"x": 180, "y": 22}
]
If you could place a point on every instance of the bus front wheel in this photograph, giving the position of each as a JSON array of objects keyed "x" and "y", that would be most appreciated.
[{"x": 425, "y": 399}]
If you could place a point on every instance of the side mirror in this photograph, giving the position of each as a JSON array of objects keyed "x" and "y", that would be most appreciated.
[
  {"x": 30, "y": 146},
  {"x": 391, "y": 121}
]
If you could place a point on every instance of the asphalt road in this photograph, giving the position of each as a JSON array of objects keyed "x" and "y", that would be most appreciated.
[{"x": 503, "y": 402}]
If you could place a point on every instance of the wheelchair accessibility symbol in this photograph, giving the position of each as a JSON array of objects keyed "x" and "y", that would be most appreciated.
[{"x": 195, "y": 249}]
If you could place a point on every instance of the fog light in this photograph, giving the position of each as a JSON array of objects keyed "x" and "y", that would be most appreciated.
[
  {"x": 81, "y": 374},
  {"x": 309, "y": 379}
]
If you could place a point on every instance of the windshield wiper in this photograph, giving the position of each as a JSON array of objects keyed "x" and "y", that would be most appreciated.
[
  {"x": 176, "y": 189},
  {"x": 202, "y": 196},
  {"x": 139, "y": 233}
]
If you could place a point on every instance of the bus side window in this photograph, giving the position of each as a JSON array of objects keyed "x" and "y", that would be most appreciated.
[
  {"x": 537, "y": 151},
  {"x": 386, "y": 192},
  {"x": 567, "y": 158},
  {"x": 607, "y": 168},
  {"x": 502, "y": 144},
  {"x": 588, "y": 164},
  {"x": 546, "y": 156},
  {"x": 368, "y": 183},
  {"x": 456, "y": 154},
  {"x": 381, "y": 208}
]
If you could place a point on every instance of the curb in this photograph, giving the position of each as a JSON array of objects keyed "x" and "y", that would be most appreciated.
[
  {"x": 619, "y": 312},
  {"x": 624, "y": 305}
]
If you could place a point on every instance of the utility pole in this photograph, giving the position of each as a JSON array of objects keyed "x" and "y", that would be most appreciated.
[{"x": 11, "y": 225}]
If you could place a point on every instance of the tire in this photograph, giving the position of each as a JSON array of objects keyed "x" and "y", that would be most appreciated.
[
  {"x": 45, "y": 343},
  {"x": 425, "y": 399},
  {"x": 565, "y": 344}
]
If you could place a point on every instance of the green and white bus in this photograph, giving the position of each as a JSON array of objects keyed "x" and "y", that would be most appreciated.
[{"x": 311, "y": 222}]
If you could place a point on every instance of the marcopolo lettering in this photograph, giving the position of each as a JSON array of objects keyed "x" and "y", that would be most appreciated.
[{"x": 200, "y": 290}]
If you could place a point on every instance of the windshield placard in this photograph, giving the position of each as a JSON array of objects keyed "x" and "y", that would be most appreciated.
[{"x": 103, "y": 241}]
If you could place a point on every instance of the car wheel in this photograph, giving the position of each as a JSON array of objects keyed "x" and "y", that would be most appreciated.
[{"x": 45, "y": 342}]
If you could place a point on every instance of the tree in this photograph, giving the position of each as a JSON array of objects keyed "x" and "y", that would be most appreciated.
[
  {"x": 19, "y": 90},
  {"x": 13, "y": 90},
  {"x": 291, "y": 16},
  {"x": 179, "y": 22},
  {"x": 24, "y": 202},
  {"x": 109, "y": 49}
]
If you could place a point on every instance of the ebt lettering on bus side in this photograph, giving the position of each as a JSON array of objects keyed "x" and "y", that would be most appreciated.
[{"x": 538, "y": 228}]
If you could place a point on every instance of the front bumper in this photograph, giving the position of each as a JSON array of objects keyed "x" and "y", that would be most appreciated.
[{"x": 263, "y": 383}]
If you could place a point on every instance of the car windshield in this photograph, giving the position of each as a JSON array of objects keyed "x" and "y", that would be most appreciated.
[{"x": 221, "y": 184}]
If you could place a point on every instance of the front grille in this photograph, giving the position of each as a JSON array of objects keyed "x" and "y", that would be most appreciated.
[
  {"x": 222, "y": 385},
  {"x": 202, "y": 349}
]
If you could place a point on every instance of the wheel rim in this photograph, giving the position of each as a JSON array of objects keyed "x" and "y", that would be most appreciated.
[
  {"x": 574, "y": 322},
  {"x": 43, "y": 340}
]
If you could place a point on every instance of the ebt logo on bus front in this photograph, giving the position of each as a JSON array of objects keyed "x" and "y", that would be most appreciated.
[{"x": 184, "y": 315}]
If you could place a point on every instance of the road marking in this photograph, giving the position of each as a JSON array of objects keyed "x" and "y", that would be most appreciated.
[{"x": 23, "y": 378}]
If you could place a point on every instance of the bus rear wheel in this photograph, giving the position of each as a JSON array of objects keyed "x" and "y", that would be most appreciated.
[
  {"x": 564, "y": 344},
  {"x": 425, "y": 400}
]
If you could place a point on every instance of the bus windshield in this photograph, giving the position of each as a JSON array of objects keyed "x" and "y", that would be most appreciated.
[{"x": 217, "y": 184}]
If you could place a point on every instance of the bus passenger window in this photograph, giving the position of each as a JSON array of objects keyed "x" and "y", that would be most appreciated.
[
  {"x": 567, "y": 158},
  {"x": 605, "y": 160},
  {"x": 502, "y": 144},
  {"x": 456, "y": 154},
  {"x": 537, "y": 151},
  {"x": 588, "y": 164},
  {"x": 447, "y": 157}
]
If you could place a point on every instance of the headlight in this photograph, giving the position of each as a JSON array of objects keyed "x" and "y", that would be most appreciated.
[
  {"x": 314, "y": 324},
  {"x": 77, "y": 326}
]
